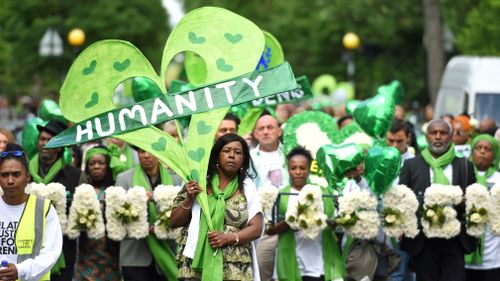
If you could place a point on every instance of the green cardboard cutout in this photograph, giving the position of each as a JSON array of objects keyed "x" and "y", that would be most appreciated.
[{"x": 229, "y": 45}]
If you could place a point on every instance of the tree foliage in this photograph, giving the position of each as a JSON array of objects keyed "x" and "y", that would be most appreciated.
[
  {"x": 311, "y": 32},
  {"x": 23, "y": 24}
]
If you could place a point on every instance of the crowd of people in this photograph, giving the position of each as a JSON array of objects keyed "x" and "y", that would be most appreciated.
[{"x": 247, "y": 243}]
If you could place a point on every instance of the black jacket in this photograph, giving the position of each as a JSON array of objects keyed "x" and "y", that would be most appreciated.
[{"x": 416, "y": 175}]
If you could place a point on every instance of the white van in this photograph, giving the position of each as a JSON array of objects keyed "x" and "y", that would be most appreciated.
[{"x": 472, "y": 85}]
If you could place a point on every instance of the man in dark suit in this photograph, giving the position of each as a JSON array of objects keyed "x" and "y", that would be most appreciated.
[
  {"x": 434, "y": 258},
  {"x": 48, "y": 166}
]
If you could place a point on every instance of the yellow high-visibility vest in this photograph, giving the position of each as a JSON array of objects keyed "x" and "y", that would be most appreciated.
[{"x": 31, "y": 230}]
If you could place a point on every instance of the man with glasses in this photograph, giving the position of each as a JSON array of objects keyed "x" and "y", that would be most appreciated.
[{"x": 48, "y": 166}]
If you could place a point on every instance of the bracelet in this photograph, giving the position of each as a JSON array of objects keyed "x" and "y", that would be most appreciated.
[
  {"x": 185, "y": 208},
  {"x": 236, "y": 237}
]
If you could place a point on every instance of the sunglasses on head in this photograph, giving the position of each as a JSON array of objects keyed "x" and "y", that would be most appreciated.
[{"x": 15, "y": 153}]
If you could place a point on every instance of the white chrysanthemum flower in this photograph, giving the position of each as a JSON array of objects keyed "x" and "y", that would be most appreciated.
[
  {"x": 364, "y": 206},
  {"x": 494, "y": 213},
  {"x": 442, "y": 196},
  {"x": 477, "y": 209},
  {"x": 85, "y": 204},
  {"x": 267, "y": 196},
  {"x": 311, "y": 221},
  {"x": 138, "y": 199},
  {"x": 401, "y": 199},
  {"x": 164, "y": 197}
]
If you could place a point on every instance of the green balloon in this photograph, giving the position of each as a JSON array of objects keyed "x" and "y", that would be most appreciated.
[
  {"x": 334, "y": 160},
  {"x": 144, "y": 88},
  {"x": 375, "y": 115},
  {"x": 394, "y": 89},
  {"x": 351, "y": 105},
  {"x": 382, "y": 166},
  {"x": 422, "y": 142},
  {"x": 49, "y": 110},
  {"x": 30, "y": 136},
  {"x": 325, "y": 81}
]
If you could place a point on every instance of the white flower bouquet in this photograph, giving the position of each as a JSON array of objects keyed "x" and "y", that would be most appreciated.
[
  {"x": 85, "y": 214},
  {"x": 56, "y": 193},
  {"x": 399, "y": 212},
  {"x": 439, "y": 219},
  {"x": 164, "y": 196},
  {"x": 477, "y": 204},
  {"x": 306, "y": 213},
  {"x": 126, "y": 212},
  {"x": 267, "y": 196},
  {"x": 358, "y": 214},
  {"x": 494, "y": 212}
]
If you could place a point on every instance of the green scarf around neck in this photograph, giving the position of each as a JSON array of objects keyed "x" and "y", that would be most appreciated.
[
  {"x": 34, "y": 168},
  {"x": 437, "y": 165},
  {"x": 162, "y": 254},
  {"x": 286, "y": 261},
  {"x": 206, "y": 259}
]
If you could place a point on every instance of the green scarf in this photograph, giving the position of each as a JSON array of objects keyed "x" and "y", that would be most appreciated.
[
  {"x": 437, "y": 165},
  {"x": 162, "y": 254},
  {"x": 34, "y": 167},
  {"x": 206, "y": 259},
  {"x": 286, "y": 261}
]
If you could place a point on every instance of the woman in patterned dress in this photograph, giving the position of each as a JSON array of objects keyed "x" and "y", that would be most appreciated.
[
  {"x": 98, "y": 259},
  {"x": 228, "y": 252}
]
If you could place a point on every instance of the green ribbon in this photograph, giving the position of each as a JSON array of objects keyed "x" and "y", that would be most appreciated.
[
  {"x": 437, "y": 165},
  {"x": 34, "y": 167},
  {"x": 162, "y": 254},
  {"x": 286, "y": 261},
  {"x": 206, "y": 258}
]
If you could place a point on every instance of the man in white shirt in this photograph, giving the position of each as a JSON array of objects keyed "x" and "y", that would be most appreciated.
[
  {"x": 399, "y": 137},
  {"x": 30, "y": 233},
  {"x": 270, "y": 164}
]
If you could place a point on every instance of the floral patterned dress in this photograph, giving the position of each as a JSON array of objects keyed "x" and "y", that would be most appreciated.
[
  {"x": 98, "y": 259},
  {"x": 237, "y": 260}
]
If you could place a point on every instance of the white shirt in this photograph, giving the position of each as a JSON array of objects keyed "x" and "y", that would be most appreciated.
[
  {"x": 270, "y": 167},
  {"x": 448, "y": 172},
  {"x": 491, "y": 253},
  {"x": 309, "y": 252},
  {"x": 30, "y": 269}
]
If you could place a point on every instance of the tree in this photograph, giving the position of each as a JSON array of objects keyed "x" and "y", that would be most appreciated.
[
  {"x": 311, "y": 36},
  {"x": 23, "y": 23}
]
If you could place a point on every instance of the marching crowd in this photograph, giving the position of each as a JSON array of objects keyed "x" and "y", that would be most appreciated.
[{"x": 253, "y": 245}]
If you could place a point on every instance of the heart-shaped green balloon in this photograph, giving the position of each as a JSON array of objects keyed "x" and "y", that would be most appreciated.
[
  {"x": 334, "y": 160},
  {"x": 49, "y": 110},
  {"x": 144, "y": 88},
  {"x": 351, "y": 105},
  {"x": 30, "y": 136},
  {"x": 375, "y": 115},
  {"x": 382, "y": 166},
  {"x": 394, "y": 89}
]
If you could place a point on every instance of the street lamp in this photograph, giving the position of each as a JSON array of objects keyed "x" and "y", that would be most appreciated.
[
  {"x": 76, "y": 38},
  {"x": 51, "y": 44},
  {"x": 351, "y": 43}
]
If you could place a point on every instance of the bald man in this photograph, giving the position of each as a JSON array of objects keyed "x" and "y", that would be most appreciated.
[
  {"x": 269, "y": 161},
  {"x": 486, "y": 125}
]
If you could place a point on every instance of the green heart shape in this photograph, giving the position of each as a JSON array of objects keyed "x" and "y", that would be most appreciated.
[
  {"x": 121, "y": 66},
  {"x": 195, "y": 39},
  {"x": 203, "y": 128},
  {"x": 195, "y": 175},
  {"x": 160, "y": 145},
  {"x": 233, "y": 38},
  {"x": 88, "y": 70},
  {"x": 94, "y": 99},
  {"x": 375, "y": 115},
  {"x": 223, "y": 66},
  {"x": 196, "y": 155},
  {"x": 382, "y": 165},
  {"x": 334, "y": 160}
]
